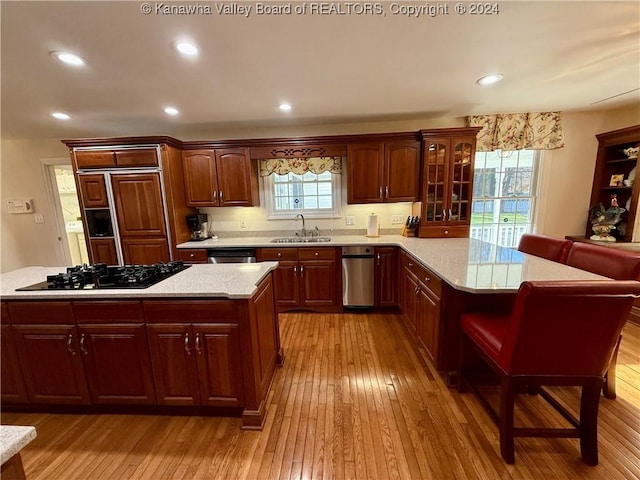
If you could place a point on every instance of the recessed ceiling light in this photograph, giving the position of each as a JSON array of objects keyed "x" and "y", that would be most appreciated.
[
  {"x": 171, "y": 111},
  {"x": 186, "y": 48},
  {"x": 285, "y": 107},
  {"x": 490, "y": 79},
  {"x": 60, "y": 116},
  {"x": 69, "y": 58}
]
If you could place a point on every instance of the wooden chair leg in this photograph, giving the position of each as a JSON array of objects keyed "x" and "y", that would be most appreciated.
[
  {"x": 589, "y": 424},
  {"x": 609, "y": 387},
  {"x": 507, "y": 399}
]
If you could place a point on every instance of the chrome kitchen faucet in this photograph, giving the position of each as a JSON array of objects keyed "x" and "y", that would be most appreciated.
[{"x": 303, "y": 232}]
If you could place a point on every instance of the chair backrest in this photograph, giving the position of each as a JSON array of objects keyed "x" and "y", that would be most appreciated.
[
  {"x": 606, "y": 261},
  {"x": 551, "y": 248},
  {"x": 566, "y": 328}
]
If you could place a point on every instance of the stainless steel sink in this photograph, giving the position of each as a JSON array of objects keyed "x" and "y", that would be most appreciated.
[{"x": 301, "y": 240}]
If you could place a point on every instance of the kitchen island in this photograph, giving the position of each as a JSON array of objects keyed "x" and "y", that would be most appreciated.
[{"x": 204, "y": 340}]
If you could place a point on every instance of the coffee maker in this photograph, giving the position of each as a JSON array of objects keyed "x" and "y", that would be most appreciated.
[{"x": 199, "y": 227}]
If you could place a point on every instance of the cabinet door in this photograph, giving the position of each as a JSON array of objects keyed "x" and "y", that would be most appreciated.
[
  {"x": 402, "y": 172},
  {"x": 103, "y": 250},
  {"x": 428, "y": 321},
  {"x": 145, "y": 251},
  {"x": 52, "y": 364},
  {"x": 95, "y": 158},
  {"x": 12, "y": 387},
  {"x": 116, "y": 359},
  {"x": 286, "y": 285},
  {"x": 386, "y": 277},
  {"x": 461, "y": 184},
  {"x": 318, "y": 285},
  {"x": 94, "y": 191},
  {"x": 217, "y": 352},
  {"x": 139, "y": 209},
  {"x": 365, "y": 169},
  {"x": 410, "y": 296},
  {"x": 435, "y": 184},
  {"x": 174, "y": 367},
  {"x": 200, "y": 178},
  {"x": 137, "y": 157},
  {"x": 235, "y": 175}
]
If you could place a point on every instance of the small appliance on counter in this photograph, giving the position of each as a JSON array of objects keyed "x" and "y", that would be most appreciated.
[{"x": 199, "y": 227}]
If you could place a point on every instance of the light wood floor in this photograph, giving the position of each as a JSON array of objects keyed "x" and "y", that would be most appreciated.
[{"x": 352, "y": 401}]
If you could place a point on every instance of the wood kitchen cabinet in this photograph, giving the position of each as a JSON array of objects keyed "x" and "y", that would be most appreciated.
[
  {"x": 196, "y": 362},
  {"x": 220, "y": 178},
  {"x": 12, "y": 388},
  {"x": 111, "y": 158},
  {"x": 447, "y": 182},
  {"x": 103, "y": 250},
  {"x": 386, "y": 276},
  {"x": 306, "y": 278},
  {"x": 192, "y": 255},
  {"x": 421, "y": 304},
  {"x": 383, "y": 172},
  {"x": 93, "y": 190}
]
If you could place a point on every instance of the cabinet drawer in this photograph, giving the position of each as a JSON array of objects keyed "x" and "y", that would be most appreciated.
[
  {"x": 316, "y": 253},
  {"x": 191, "y": 311},
  {"x": 95, "y": 158},
  {"x": 266, "y": 254},
  {"x": 41, "y": 313},
  {"x": 193, "y": 255},
  {"x": 108, "y": 311},
  {"x": 143, "y": 157},
  {"x": 444, "y": 231},
  {"x": 425, "y": 276}
]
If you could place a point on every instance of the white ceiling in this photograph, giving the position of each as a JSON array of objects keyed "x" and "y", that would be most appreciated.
[{"x": 332, "y": 68}]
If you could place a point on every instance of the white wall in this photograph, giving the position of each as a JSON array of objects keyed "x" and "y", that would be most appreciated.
[{"x": 565, "y": 187}]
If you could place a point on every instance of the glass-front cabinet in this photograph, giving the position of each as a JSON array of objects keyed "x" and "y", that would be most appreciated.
[{"x": 447, "y": 182}]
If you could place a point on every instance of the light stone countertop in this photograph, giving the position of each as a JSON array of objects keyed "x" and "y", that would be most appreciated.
[
  {"x": 234, "y": 281},
  {"x": 464, "y": 263},
  {"x": 13, "y": 439}
]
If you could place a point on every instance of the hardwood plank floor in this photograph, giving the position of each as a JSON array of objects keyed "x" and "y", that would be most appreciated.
[{"x": 353, "y": 400}]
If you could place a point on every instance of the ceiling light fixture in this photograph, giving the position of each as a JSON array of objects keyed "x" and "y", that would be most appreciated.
[
  {"x": 60, "y": 116},
  {"x": 285, "y": 107},
  {"x": 68, "y": 58},
  {"x": 490, "y": 79},
  {"x": 171, "y": 111},
  {"x": 188, "y": 49}
]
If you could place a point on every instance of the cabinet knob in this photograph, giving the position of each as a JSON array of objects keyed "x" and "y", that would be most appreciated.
[
  {"x": 192, "y": 255},
  {"x": 316, "y": 254},
  {"x": 427, "y": 279},
  {"x": 446, "y": 232},
  {"x": 279, "y": 254}
]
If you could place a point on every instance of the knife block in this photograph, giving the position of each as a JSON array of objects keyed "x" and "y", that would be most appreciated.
[{"x": 408, "y": 232}]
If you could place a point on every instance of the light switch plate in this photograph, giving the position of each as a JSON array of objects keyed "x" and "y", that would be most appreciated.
[
  {"x": 350, "y": 220},
  {"x": 397, "y": 219},
  {"x": 243, "y": 223}
]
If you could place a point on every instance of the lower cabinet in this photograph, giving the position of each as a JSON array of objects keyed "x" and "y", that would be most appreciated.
[
  {"x": 307, "y": 277},
  {"x": 386, "y": 277},
  {"x": 196, "y": 364},
  {"x": 420, "y": 303}
]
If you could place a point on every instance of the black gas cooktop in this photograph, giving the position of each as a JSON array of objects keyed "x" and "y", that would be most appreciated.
[{"x": 99, "y": 275}]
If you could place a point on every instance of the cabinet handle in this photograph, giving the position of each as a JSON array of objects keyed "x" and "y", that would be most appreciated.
[
  {"x": 381, "y": 193},
  {"x": 221, "y": 193},
  {"x": 70, "y": 345},
  {"x": 378, "y": 258},
  {"x": 427, "y": 279},
  {"x": 295, "y": 270},
  {"x": 417, "y": 290},
  {"x": 386, "y": 191},
  {"x": 83, "y": 349},
  {"x": 301, "y": 269},
  {"x": 410, "y": 264},
  {"x": 186, "y": 344},
  {"x": 198, "y": 344},
  {"x": 444, "y": 214},
  {"x": 215, "y": 195}
]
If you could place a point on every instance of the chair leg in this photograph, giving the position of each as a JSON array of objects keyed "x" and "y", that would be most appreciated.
[
  {"x": 609, "y": 387},
  {"x": 589, "y": 424},
  {"x": 507, "y": 399}
]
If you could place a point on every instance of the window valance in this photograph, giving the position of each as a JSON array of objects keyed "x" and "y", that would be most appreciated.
[
  {"x": 517, "y": 131},
  {"x": 300, "y": 166}
]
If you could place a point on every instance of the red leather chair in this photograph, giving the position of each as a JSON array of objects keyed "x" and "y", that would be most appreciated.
[
  {"x": 555, "y": 335},
  {"x": 551, "y": 248},
  {"x": 608, "y": 262}
]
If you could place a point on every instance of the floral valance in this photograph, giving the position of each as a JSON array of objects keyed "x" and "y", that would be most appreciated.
[
  {"x": 517, "y": 131},
  {"x": 300, "y": 166}
]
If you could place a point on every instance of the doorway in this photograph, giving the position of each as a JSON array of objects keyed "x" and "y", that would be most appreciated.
[{"x": 67, "y": 213}]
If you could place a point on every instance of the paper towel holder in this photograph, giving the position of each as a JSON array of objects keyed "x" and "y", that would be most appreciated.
[{"x": 373, "y": 226}]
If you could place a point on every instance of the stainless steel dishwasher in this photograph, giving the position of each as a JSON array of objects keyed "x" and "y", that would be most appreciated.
[
  {"x": 231, "y": 255},
  {"x": 357, "y": 277}
]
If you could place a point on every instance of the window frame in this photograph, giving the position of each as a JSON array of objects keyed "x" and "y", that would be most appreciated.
[{"x": 268, "y": 186}]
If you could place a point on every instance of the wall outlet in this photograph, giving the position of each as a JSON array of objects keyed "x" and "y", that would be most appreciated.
[
  {"x": 243, "y": 223},
  {"x": 39, "y": 218},
  {"x": 397, "y": 219},
  {"x": 349, "y": 220}
]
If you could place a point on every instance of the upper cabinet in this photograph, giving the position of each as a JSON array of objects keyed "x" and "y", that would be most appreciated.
[
  {"x": 114, "y": 158},
  {"x": 383, "y": 172},
  {"x": 220, "y": 178},
  {"x": 447, "y": 182},
  {"x": 614, "y": 174}
]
